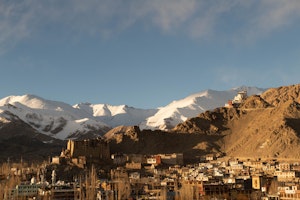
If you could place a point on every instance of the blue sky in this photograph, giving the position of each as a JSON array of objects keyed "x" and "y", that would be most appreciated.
[{"x": 145, "y": 53}]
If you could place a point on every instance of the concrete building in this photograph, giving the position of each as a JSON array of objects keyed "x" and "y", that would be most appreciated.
[
  {"x": 65, "y": 193},
  {"x": 284, "y": 166},
  {"x": 119, "y": 158},
  {"x": 285, "y": 176},
  {"x": 24, "y": 191},
  {"x": 155, "y": 160},
  {"x": 172, "y": 159},
  {"x": 133, "y": 165},
  {"x": 237, "y": 100},
  {"x": 240, "y": 97}
]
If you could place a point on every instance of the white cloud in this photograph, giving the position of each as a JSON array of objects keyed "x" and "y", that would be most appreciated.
[
  {"x": 169, "y": 14},
  {"x": 20, "y": 20},
  {"x": 269, "y": 16},
  {"x": 16, "y": 20},
  {"x": 277, "y": 13}
]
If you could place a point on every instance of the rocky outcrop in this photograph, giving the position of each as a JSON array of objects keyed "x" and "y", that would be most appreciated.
[
  {"x": 209, "y": 122},
  {"x": 119, "y": 132},
  {"x": 275, "y": 96},
  {"x": 254, "y": 102}
]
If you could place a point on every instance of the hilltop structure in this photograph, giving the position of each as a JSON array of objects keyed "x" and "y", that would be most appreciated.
[
  {"x": 82, "y": 152},
  {"x": 237, "y": 100},
  {"x": 93, "y": 149}
]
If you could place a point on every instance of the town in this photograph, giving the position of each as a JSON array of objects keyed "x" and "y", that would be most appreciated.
[{"x": 87, "y": 170}]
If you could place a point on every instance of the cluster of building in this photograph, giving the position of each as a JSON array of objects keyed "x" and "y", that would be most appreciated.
[
  {"x": 211, "y": 179},
  {"x": 218, "y": 179},
  {"x": 96, "y": 151},
  {"x": 139, "y": 160},
  {"x": 161, "y": 176}
]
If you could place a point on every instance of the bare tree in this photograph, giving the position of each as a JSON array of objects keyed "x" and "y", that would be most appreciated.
[
  {"x": 186, "y": 191},
  {"x": 91, "y": 184}
]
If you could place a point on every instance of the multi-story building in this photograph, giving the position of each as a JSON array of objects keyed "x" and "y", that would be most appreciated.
[
  {"x": 24, "y": 191},
  {"x": 285, "y": 176},
  {"x": 284, "y": 166},
  {"x": 172, "y": 159},
  {"x": 94, "y": 150}
]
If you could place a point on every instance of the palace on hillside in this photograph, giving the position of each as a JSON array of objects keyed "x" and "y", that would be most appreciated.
[{"x": 82, "y": 152}]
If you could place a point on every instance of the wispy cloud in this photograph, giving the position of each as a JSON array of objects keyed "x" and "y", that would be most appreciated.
[
  {"x": 269, "y": 16},
  {"x": 20, "y": 20},
  {"x": 276, "y": 13},
  {"x": 16, "y": 20},
  {"x": 169, "y": 15}
]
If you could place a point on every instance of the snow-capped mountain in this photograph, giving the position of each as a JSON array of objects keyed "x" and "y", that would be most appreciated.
[
  {"x": 56, "y": 119},
  {"x": 178, "y": 111},
  {"x": 116, "y": 115},
  {"x": 63, "y": 121}
]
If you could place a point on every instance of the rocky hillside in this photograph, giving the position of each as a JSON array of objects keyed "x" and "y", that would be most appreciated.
[
  {"x": 19, "y": 140},
  {"x": 265, "y": 126},
  {"x": 179, "y": 111},
  {"x": 132, "y": 140}
]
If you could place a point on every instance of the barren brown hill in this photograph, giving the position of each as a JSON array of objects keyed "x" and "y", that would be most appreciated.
[
  {"x": 131, "y": 140},
  {"x": 264, "y": 126},
  {"x": 279, "y": 95}
]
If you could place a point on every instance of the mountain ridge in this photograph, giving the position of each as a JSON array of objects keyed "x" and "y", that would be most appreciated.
[
  {"x": 56, "y": 119},
  {"x": 178, "y": 111},
  {"x": 63, "y": 121},
  {"x": 265, "y": 126},
  {"x": 116, "y": 115}
]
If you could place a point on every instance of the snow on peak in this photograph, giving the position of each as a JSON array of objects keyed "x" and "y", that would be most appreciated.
[
  {"x": 191, "y": 106},
  {"x": 53, "y": 118},
  {"x": 34, "y": 102},
  {"x": 99, "y": 110},
  {"x": 61, "y": 120},
  {"x": 117, "y": 115}
]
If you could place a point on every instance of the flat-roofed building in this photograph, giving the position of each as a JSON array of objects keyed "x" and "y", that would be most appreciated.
[{"x": 93, "y": 149}]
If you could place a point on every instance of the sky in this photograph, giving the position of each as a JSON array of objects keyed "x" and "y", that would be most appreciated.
[{"x": 145, "y": 53}]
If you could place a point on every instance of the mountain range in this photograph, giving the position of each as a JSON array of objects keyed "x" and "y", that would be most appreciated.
[
  {"x": 62, "y": 121},
  {"x": 264, "y": 125}
]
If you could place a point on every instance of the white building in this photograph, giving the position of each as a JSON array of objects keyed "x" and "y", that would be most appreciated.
[{"x": 285, "y": 176}]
